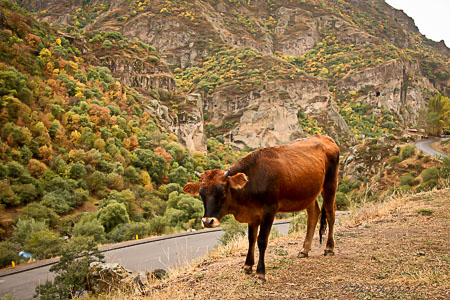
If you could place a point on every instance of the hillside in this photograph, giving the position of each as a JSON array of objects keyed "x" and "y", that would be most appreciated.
[
  {"x": 78, "y": 139},
  {"x": 108, "y": 107},
  {"x": 271, "y": 71},
  {"x": 395, "y": 249}
]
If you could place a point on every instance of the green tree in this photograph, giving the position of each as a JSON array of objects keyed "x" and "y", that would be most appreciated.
[
  {"x": 24, "y": 228},
  {"x": 72, "y": 269},
  {"x": 7, "y": 195},
  {"x": 8, "y": 253},
  {"x": 39, "y": 212},
  {"x": 77, "y": 171},
  {"x": 90, "y": 228},
  {"x": 44, "y": 244},
  {"x": 438, "y": 114},
  {"x": 113, "y": 214},
  {"x": 179, "y": 175}
]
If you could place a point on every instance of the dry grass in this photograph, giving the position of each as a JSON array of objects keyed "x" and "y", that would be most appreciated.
[{"x": 395, "y": 249}]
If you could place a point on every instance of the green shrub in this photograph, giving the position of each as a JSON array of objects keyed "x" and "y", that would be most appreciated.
[
  {"x": 394, "y": 160},
  {"x": 428, "y": 185},
  {"x": 112, "y": 215},
  {"x": 405, "y": 188},
  {"x": 408, "y": 151},
  {"x": 430, "y": 174},
  {"x": 107, "y": 44},
  {"x": 408, "y": 179},
  {"x": 90, "y": 228},
  {"x": 8, "y": 253},
  {"x": 7, "y": 195},
  {"x": 153, "y": 59},
  {"x": 39, "y": 212},
  {"x": 24, "y": 228},
  {"x": 25, "y": 193},
  {"x": 158, "y": 225},
  {"x": 232, "y": 230},
  {"x": 44, "y": 244},
  {"x": 342, "y": 201},
  {"x": 141, "y": 229},
  {"x": 72, "y": 269}
]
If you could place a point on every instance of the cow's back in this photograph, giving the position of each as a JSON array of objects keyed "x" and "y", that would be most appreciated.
[{"x": 291, "y": 176}]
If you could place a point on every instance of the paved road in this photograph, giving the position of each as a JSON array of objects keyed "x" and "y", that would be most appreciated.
[
  {"x": 424, "y": 146},
  {"x": 142, "y": 255}
]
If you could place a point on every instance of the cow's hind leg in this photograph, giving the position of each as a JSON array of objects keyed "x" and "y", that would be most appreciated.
[
  {"x": 329, "y": 204},
  {"x": 313, "y": 212},
  {"x": 252, "y": 235}
]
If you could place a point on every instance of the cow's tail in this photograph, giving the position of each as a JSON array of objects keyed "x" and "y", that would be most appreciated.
[{"x": 323, "y": 223}]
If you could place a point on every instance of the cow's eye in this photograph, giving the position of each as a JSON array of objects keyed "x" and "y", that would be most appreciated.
[{"x": 220, "y": 192}]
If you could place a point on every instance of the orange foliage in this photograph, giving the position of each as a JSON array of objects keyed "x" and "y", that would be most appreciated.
[
  {"x": 36, "y": 167},
  {"x": 162, "y": 152}
]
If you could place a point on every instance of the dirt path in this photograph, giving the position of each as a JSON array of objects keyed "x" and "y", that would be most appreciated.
[{"x": 399, "y": 251}]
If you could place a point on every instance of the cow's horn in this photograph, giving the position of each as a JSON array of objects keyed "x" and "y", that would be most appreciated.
[
  {"x": 226, "y": 172},
  {"x": 198, "y": 174}
]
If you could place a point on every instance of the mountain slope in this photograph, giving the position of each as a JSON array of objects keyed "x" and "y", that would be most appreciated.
[{"x": 369, "y": 54}]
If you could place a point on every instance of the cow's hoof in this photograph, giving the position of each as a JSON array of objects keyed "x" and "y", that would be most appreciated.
[
  {"x": 328, "y": 253},
  {"x": 261, "y": 278},
  {"x": 248, "y": 269},
  {"x": 302, "y": 255}
]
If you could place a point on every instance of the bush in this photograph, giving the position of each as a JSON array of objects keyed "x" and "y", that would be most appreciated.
[
  {"x": 430, "y": 174},
  {"x": 25, "y": 193},
  {"x": 428, "y": 185},
  {"x": 24, "y": 228},
  {"x": 232, "y": 230},
  {"x": 8, "y": 253},
  {"x": 90, "y": 228},
  {"x": 408, "y": 179},
  {"x": 71, "y": 280},
  {"x": 140, "y": 229},
  {"x": 408, "y": 151},
  {"x": 112, "y": 215},
  {"x": 39, "y": 212},
  {"x": 77, "y": 171},
  {"x": 107, "y": 44},
  {"x": 342, "y": 201},
  {"x": 158, "y": 225},
  {"x": 44, "y": 244},
  {"x": 7, "y": 195},
  {"x": 394, "y": 160}
]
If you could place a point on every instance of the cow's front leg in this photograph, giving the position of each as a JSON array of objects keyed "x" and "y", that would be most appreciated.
[
  {"x": 250, "y": 261},
  {"x": 263, "y": 238}
]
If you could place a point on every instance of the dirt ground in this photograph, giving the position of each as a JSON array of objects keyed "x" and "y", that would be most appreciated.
[{"x": 395, "y": 250}]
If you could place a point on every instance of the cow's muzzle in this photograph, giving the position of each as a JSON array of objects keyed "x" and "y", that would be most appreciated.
[{"x": 210, "y": 222}]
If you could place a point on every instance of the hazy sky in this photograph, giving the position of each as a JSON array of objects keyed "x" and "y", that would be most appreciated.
[{"x": 432, "y": 17}]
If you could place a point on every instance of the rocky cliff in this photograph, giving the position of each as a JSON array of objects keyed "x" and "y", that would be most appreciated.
[{"x": 344, "y": 47}]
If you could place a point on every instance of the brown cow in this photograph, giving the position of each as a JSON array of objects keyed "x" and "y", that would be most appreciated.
[{"x": 285, "y": 178}]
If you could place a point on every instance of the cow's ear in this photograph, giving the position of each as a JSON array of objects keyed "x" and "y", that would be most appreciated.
[
  {"x": 238, "y": 181},
  {"x": 192, "y": 188}
]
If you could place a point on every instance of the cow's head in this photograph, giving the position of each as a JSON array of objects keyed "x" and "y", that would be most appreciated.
[{"x": 214, "y": 188}]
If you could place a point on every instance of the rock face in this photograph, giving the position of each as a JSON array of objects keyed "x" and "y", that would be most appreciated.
[
  {"x": 269, "y": 115},
  {"x": 136, "y": 72},
  {"x": 395, "y": 85},
  {"x": 54, "y": 11},
  {"x": 296, "y": 31}
]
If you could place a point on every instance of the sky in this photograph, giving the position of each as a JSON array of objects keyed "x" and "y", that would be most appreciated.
[{"x": 432, "y": 17}]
